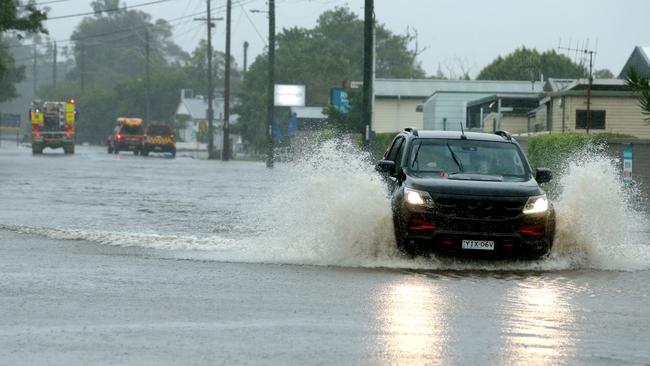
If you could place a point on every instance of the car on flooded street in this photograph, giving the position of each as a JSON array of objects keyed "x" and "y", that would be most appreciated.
[
  {"x": 128, "y": 135},
  {"x": 159, "y": 138},
  {"x": 466, "y": 194}
]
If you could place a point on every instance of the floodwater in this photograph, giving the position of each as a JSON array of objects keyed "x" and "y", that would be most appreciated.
[{"x": 316, "y": 234}]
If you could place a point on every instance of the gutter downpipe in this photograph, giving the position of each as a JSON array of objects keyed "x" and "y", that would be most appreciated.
[
  {"x": 563, "y": 101},
  {"x": 499, "y": 114}
]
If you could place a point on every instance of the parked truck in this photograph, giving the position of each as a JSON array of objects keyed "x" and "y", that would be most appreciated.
[{"x": 53, "y": 125}]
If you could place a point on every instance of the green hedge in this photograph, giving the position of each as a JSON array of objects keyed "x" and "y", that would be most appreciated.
[
  {"x": 381, "y": 142},
  {"x": 552, "y": 150}
]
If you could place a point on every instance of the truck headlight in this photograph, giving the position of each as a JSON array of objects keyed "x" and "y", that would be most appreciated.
[
  {"x": 536, "y": 204},
  {"x": 417, "y": 198}
]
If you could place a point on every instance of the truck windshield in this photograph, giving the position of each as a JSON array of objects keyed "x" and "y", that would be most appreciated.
[
  {"x": 468, "y": 158},
  {"x": 131, "y": 130}
]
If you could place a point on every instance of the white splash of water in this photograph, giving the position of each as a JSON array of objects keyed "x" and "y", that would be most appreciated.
[{"x": 598, "y": 225}]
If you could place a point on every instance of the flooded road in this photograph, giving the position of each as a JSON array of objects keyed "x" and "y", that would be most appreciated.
[{"x": 124, "y": 259}]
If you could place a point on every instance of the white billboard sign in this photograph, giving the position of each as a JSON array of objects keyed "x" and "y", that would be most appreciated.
[{"x": 289, "y": 95}]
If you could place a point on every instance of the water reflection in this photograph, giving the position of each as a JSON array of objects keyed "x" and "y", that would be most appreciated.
[
  {"x": 538, "y": 324},
  {"x": 413, "y": 321}
]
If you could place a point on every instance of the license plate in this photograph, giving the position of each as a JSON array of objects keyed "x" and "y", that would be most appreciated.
[{"x": 478, "y": 244}]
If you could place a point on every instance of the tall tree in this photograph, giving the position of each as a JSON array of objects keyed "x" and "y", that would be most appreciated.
[
  {"x": 20, "y": 18},
  {"x": 321, "y": 58},
  {"x": 14, "y": 15},
  {"x": 111, "y": 46},
  {"x": 529, "y": 64}
]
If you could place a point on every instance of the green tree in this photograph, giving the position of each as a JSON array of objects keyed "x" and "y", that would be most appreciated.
[
  {"x": 19, "y": 17},
  {"x": 196, "y": 68},
  {"x": 111, "y": 46},
  {"x": 603, "y": 74},
  {"x": 320, "y": 58},
  {"x": 529, "y": 64},
  {"x": 10, "y": 73},
  {"x": 14, "y": 15},
  {"x": 641, "y": 85}
]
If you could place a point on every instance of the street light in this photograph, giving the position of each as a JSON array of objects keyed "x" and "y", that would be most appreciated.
[{"x": 271, "y": 81}]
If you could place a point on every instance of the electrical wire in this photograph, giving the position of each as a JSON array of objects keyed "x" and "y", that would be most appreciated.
[{"x": 108, "y": 10}]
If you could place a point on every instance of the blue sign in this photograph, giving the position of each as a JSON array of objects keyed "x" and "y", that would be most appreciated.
[
  {"x": 277, "y": 134},
  {"x": 339, "y": 99},
  {"x": 10, "y": 120},
  {"x": 293, "y": 124},
  {"x": 627, "y": 165}
]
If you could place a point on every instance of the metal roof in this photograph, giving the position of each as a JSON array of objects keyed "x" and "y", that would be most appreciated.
[
  {"x": 309, "y": 112},
  {"x": 503, "y": 96},
  {"x": 554, "y": 85},
  {"x": 424, "y": 88},
  {"x": 196, "y": 109},
  {"x": 639, "y": 59}
]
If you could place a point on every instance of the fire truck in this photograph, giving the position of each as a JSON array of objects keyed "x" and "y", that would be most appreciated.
[{"x": 53, "y": 125}]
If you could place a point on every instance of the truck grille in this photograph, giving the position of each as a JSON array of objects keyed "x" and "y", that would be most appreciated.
[{"x": 485, "y": 209}]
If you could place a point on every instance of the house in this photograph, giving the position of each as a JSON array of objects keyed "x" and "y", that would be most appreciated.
[
  {"x": 509, "y": 112},
  {"x": 396, "y": 102},
  {"x": 192, "y": 112},
  {"x": 639, "y": 60},
  {"x": 614, "y": 107},
  {"x": 446, "y": 108}
]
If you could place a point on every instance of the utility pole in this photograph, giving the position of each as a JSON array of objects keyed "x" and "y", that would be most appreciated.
[
  {"x": 83, "y": 67},
  {"x": 270, "y": 91},
  {"x": 34, "y": 71},
  {"x": 368, "y": 57},
  {"x": 225, "y": 153},
  {"x": 54, "y": 52},
  {"x": 147, "y": 77},
  {"x": 245, "y": 55},
  {"x": 591, "y": 80},
  {"x": 210, "y": 112}
]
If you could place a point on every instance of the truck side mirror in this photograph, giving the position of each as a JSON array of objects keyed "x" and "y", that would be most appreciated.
[
  {"x": 543, "y": 175},
  {"x": 385, "y": 167}
]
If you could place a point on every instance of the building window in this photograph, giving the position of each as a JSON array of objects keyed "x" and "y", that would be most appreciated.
[{"x": 597, "y": 119}]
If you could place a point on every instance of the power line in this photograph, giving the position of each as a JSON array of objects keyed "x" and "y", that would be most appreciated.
[{"x": 107, "y": 10}]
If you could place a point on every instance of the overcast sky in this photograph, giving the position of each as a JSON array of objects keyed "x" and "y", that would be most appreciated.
[{"x": 456, "y": 34}]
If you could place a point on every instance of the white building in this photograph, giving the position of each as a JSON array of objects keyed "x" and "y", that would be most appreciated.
[{"x": 192, "y": 111}]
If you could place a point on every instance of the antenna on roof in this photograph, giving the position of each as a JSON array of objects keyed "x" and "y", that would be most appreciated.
[
  {"x": 462, "y": 132},
  {"x": 585, "y": 51}
]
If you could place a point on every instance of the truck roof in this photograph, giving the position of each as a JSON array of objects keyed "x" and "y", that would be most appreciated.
[{"x": 129, "y": 121}]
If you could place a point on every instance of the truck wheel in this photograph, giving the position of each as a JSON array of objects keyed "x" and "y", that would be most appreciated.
[
  {"x": 68, "y": 150},
  {"x": 116, "y": 151},
  {"x": 144, "y": 152},
  {"x": 37, "y": 150},
  {"x": 174, "y": 153},
  {"x": 136, "y": 152},
  {"x": 109, "y": 149}
]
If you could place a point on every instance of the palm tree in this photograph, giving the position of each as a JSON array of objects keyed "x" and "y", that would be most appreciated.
[{"x": 641, "y": 85}]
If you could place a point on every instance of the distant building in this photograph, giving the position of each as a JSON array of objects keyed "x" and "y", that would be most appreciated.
[
  {"x": 309, "y": 118},
  {"x": 192, "y": 113},
  {"x": 640, "y": 60},
  {"x": 397, "y": 100},
  {"x": 507, "y": 112},
  {"x": 431, "y": 103},
  {"x": 614, "y": 107},
  {"x": 446, "y": 108}
]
